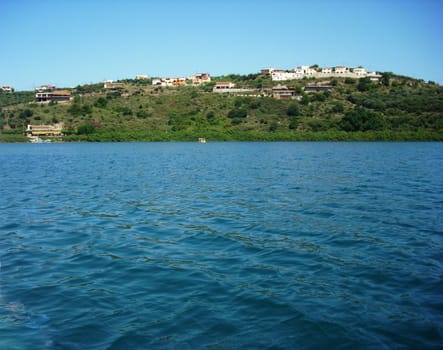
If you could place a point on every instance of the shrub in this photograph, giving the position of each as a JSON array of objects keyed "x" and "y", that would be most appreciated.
[
  {"x": 101, "y": 102},
  {"x": 237, "y": 113},
  {"x": 293, "y": 110},
  {"x": 364, "y": 84},
  {"x": 361, "y": 119},
  {"x": 293, "y": 124},
  {"x": 338, "y": 108},
  {"x": 85, "y": 129}
]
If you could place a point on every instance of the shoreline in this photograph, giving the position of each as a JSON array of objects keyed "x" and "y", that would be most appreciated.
[{"x": 241, "y": 136}]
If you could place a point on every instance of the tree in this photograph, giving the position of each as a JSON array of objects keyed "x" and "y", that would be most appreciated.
[
  {"x": 87, "y": 109},
  {"x": 305, "y": 100},
  {"x": 101, "y": 102},
  {"x": 361, "y": 119},
  {"x": 293, "y": 124},
  {"x": 273, "y": 127},
  {"x": 338, "y": 108},
  {"x": 127, "y": 111},
  {"x": 386, "y": 78},
  {"x": 293, "y": 110},
  {"x": 237, "y": 113},
  {"x": 75, "y": 109},
  {"x": 254, "y": 104},
  {"x": 26, "y": 114},
  {"x": 364, "y": 84},
  {"x": 85, "y": 129},
  {"x": 238, "y": 101}
]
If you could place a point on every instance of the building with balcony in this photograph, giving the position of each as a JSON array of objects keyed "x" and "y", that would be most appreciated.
[
  {"x": 44, "y": 130},
  {"x": 280, "y": 92},
  {"x": 53, "y": 96}
]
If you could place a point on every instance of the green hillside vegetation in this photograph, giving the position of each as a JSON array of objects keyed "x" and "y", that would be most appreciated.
[{"x": 396, "y": 108}]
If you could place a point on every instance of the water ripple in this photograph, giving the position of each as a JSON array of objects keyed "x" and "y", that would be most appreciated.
[{"x": 238, "y": 245}]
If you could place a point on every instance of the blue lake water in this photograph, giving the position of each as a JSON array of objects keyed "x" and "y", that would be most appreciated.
[{"x": 221, "y": 246}]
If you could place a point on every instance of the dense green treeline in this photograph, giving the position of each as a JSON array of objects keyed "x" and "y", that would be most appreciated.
[
  {"x": 8, "y": 99},
  {"x": 395, "y": 108}
]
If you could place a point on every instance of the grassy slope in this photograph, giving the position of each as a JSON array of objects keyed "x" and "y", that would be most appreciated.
[{"x": 406, "y": 109}]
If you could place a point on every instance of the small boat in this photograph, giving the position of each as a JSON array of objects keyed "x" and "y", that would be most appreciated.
[{"x": 201, "y": 140}]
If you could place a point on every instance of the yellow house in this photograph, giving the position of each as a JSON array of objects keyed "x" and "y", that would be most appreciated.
[
  {"x": 179, "y": 82},
  {"x": 44, "y": 130},
  {"x": 200, "y": 78}
]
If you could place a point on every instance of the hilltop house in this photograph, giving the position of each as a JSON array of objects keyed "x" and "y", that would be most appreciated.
[
  {"x": 360, "y": 71},
  {"x": 162, "y": 82},
  {"x": 200, "y": 78},
  {"x": 43, "y": 88},
  {"x": 7, "y": 88},
  {"x": 373, "y": 76},
  {"x": 53, "y": 96},
  {"x": 305, "y": 71},
  {"x": 179, "y": 82},
  {"x": 267, "y": 71},
  {"x": 281, "y": 75},
  {"x": 141, "y": 77},
  {"x": 109, "y": 85},
  {"x": 341, "y": 70},
  {"x": 169, "y": 81}
]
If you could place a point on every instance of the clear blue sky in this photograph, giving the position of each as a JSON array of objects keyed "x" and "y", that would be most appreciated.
[{"x": 72, "y": 42}]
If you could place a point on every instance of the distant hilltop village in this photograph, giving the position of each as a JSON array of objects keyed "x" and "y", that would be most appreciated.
[
  {"x": 276, "y": 75},
  {"x": 316, "y": 72},
  {"x": 48, "y": 93}
]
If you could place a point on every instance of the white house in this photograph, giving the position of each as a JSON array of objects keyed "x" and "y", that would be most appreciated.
[
  {"x": 305, "y": 71},
  {"x": 169, "y": 81},
  {"x": 43, "y": 88},
  {"x": 326, "y": 70},
  {"x": 341, "y": 70},
  {"x": 224, "y": 85},
  {"x": 299, "y": 70},
  {"x": 360, "y": 71},
  {"x": 374, "y": 76},
  {"x": 7, "y": 88},
  {"x": 309, "y": 72},
  {"x": 278, "y": 75},
  {"x": 267, "y": 71},
  {"x": 162, "y": 81}
]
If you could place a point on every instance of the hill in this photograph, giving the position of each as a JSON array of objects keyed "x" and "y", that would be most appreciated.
[{"x": 394, "y": 108}]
